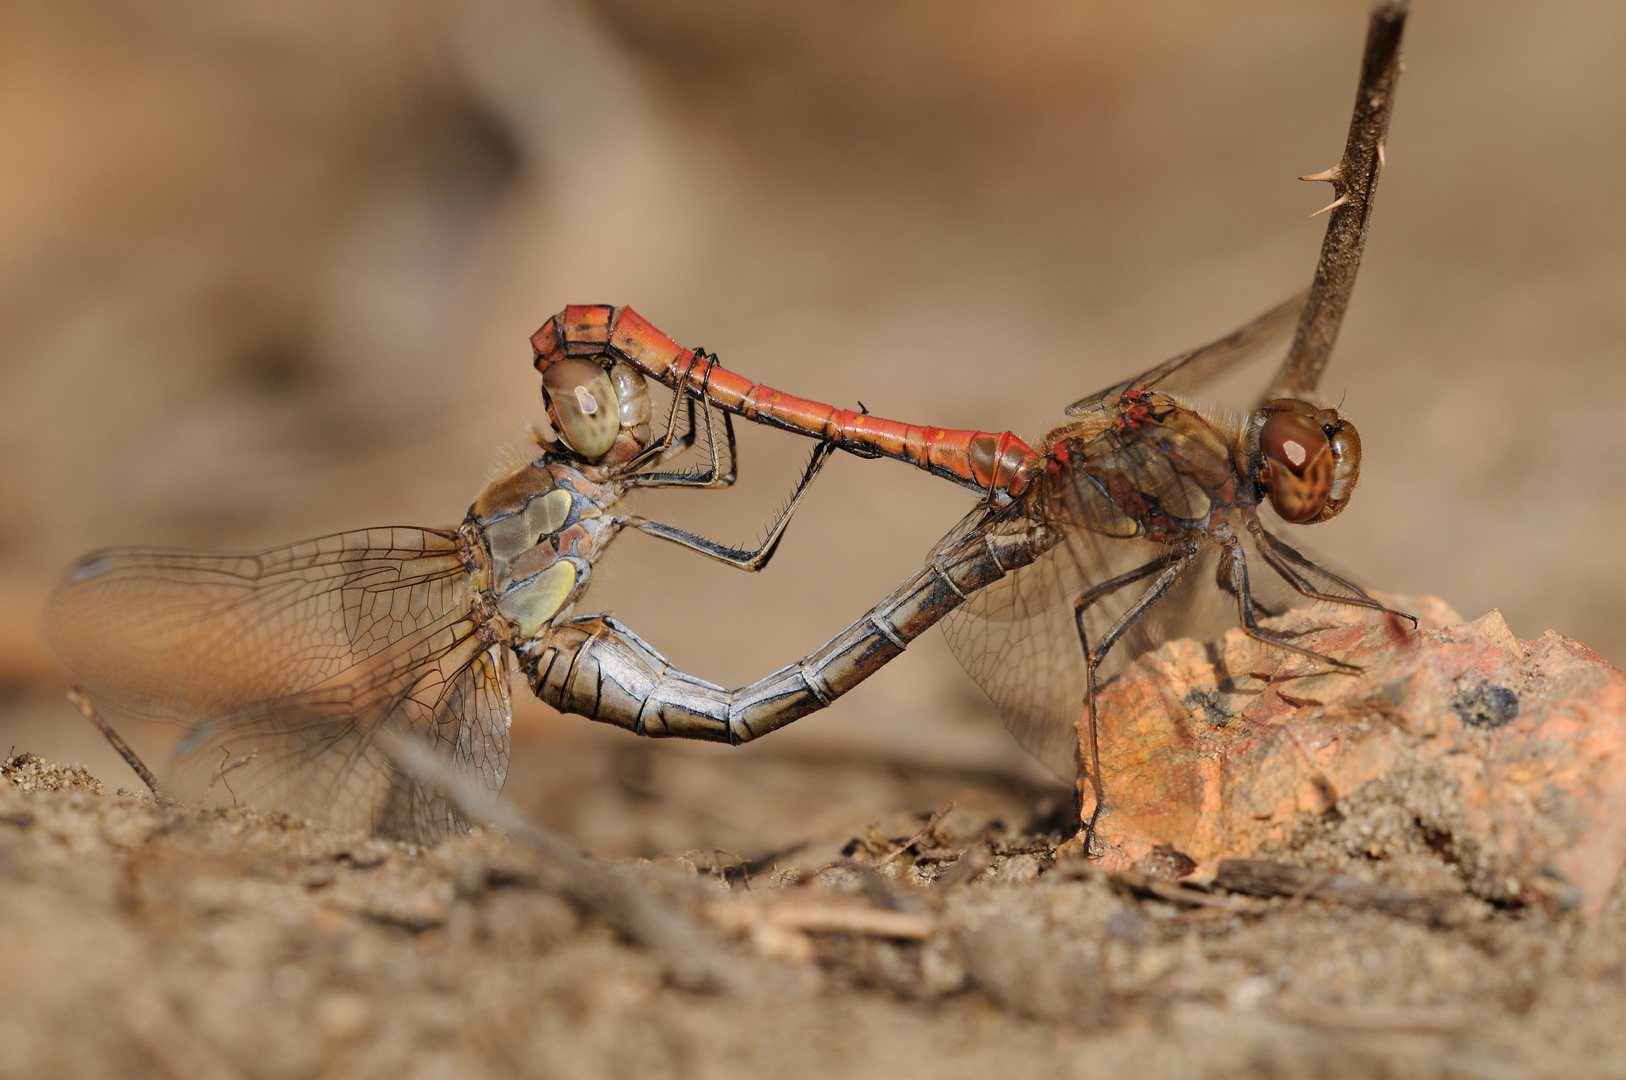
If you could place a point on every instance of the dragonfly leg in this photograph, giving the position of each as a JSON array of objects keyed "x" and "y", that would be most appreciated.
[
  {"x": 1168, "y": 567},
  {"x": 1250, "y": 619},
  {"x": 671, "y": 445},
  {"x": 712, "y": 476},
  {"x": 1222, "y": 579},
  {"x": 1278, "y": 554},
  {"x": 721, "y": 479},
  {"x": 740, "y": 558}
]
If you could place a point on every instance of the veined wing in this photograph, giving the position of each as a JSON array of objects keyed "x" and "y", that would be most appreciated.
[
  {"x": 282, "y": 665},
  {"x": 1014, "y": 637},
  {"x": 1193, "y": 368},
  {"x": 1017, "y": 638}
]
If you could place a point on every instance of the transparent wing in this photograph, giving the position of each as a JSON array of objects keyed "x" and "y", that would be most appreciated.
[
  {"x": 1192, "y": 369},
  {"x": 282, "y": 666},
  {"x": 1017, "y": 637}
]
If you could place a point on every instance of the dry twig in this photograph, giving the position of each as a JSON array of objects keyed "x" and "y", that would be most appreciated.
[
  {"x": 827, "y": 918},
  {"x": 1258, "y": 877},
  {"x": 1397, "y": 1019},
  {"x": 917, "y": 838},
  {"x": 160, "y": 794},
  {"x": 1354, "y": 180}
]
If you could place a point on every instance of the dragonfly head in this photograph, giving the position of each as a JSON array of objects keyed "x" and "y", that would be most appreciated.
[
  {"x": 1305, "y": 460},
  {"x": 599, "y": 409}
]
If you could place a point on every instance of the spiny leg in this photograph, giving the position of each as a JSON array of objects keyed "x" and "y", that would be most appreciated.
[
  {"x": 160, "y": 794},
  {"x": 1277, "y": 554},
  {"x": 723, "y": 480},
  {"x": 1250, "y": 621},
  {"x": 1170, "y": 566},
  {"x": 1222, "y": 578},
  {"x": 740, "y": 558},
  {"x": 709, "y": 477},
  {"x": 712, "y": 477}
]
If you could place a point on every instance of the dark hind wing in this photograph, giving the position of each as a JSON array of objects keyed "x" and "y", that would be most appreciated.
[
  {"x": 1191, "y": 370},
  {"x": 282, "y": 665}
]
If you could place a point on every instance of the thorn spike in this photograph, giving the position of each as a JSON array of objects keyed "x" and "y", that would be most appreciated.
[
  {"x": 1334, "y": 175},
  {"x": 1335, "y": 204}
]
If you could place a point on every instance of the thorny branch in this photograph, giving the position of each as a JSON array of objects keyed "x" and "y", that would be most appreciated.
[
  {"x": 1354, "y": 180},
  {"x": 679, "y": 945}
]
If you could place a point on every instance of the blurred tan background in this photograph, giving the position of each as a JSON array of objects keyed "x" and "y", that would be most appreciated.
[{"x": 267, "y": 270}]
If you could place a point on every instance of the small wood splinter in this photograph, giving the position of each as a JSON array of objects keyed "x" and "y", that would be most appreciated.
[{"x": 160, "y": 794}]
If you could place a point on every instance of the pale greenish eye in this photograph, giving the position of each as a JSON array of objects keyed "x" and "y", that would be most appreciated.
[{"x": 582, "y": 405}]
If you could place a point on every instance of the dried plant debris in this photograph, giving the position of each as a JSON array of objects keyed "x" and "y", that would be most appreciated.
[{"x": 146, "y": 941}]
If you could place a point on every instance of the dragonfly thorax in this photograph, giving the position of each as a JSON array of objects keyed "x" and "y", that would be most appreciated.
[
  {"x": 1157, "y": 469},
  {"x": 543, "y": 527}
]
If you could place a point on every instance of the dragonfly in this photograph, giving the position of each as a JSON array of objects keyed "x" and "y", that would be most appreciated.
[
  {"x": 1120, "y": 530},
  {"x": 1126, "y": 524},
  {"x": 283, "y": 667},
  {"x": 287, "y": 664}
]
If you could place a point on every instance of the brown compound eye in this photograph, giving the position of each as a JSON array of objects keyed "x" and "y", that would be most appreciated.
[
  {"x": 1345, "y": 442},
  {"x": 582, "y": 405},
  {"x": 1297, "y": 467}
]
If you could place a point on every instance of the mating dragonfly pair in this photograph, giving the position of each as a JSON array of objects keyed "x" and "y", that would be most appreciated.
[{"x": 283, "y": 667}]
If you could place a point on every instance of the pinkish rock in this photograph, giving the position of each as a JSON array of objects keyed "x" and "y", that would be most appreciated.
[{"x": 1510, "y": 754}]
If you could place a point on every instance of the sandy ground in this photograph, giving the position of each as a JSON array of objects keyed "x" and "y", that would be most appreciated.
[
  {"x": 1402, "y": 925},
  {"x": 269, "y": 272},
  {"x": 224, "y": 944}
]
